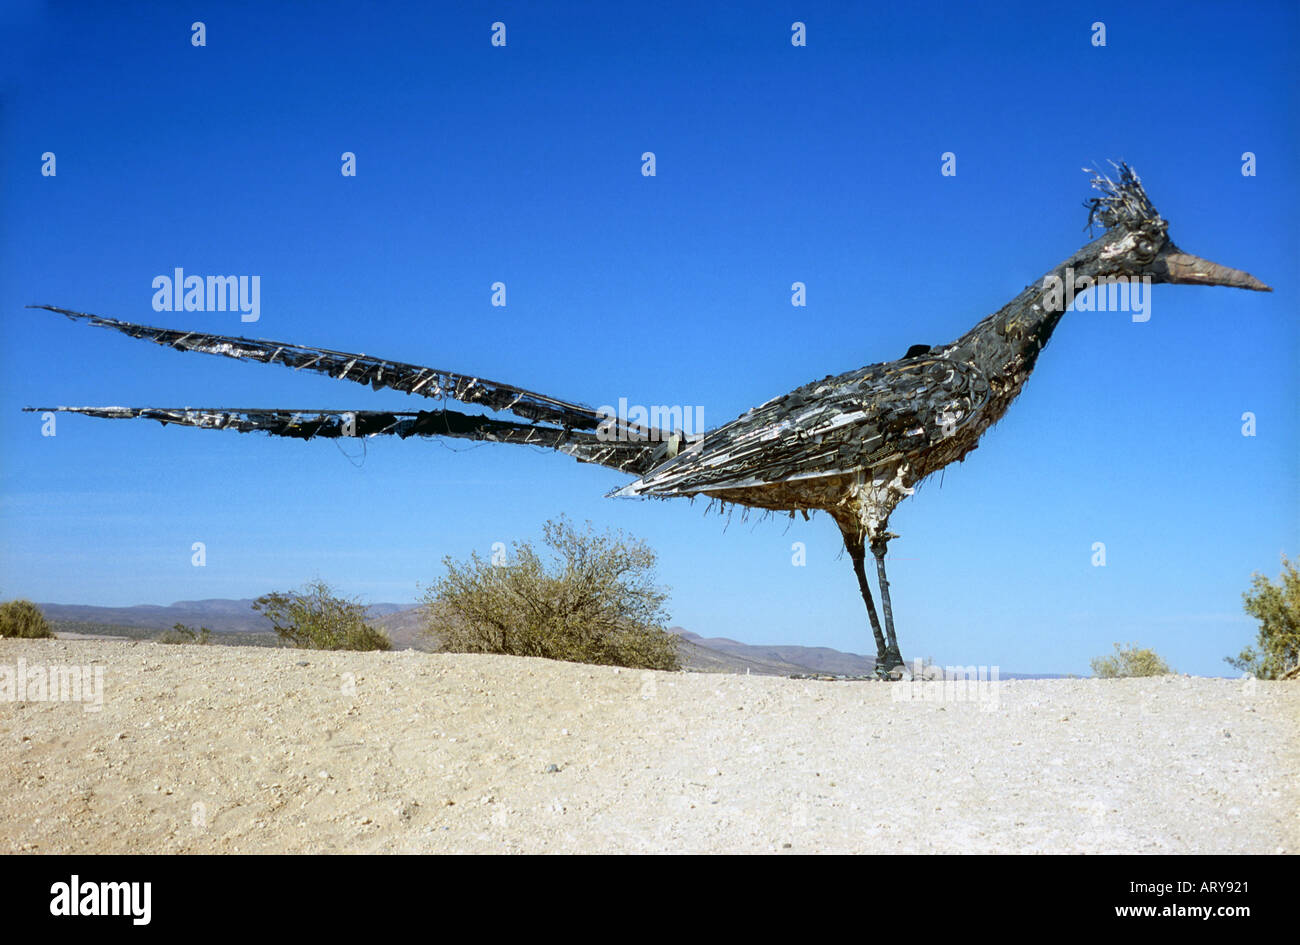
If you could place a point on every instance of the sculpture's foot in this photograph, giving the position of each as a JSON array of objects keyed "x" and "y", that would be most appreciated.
[{"x": 890, "y": 665}]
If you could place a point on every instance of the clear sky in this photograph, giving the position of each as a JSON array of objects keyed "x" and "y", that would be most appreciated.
[{"x": 774, "y": 164}]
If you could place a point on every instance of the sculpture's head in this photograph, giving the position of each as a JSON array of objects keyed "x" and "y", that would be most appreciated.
[{"x": 1137, "y": 243}]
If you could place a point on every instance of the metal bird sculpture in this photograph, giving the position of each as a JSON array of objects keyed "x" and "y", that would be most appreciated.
[{"x": 853, "y": 445}]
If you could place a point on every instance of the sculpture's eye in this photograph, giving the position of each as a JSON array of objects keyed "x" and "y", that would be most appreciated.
[{"x": 1145, "y": 250}]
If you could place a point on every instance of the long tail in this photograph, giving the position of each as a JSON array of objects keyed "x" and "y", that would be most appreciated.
[
  {"x": 572, "y": 428},
  {"x": 635, "y": 458},
  {"x": 363, "y": 369}
]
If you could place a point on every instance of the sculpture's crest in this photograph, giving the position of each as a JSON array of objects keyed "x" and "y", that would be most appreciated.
[{"x": 1123, "y": 204}]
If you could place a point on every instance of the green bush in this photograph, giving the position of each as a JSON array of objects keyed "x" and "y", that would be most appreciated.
[
  {"x": 315, "y": 619},
  {"x": 1277, "y": 608},
  {"x": 22, "y": 618},
  {"x": 596, "y": 601},
  {"x": 1130, "y": 661},
  {"x": 180, "y": 633}
]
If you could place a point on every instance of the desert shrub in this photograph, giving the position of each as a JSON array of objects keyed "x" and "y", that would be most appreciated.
[
  {"x": 316, "y": 619},
  {"x": 594, "y": 601},
  {"x": 1277, "y": 608},
  {"x": 1130, "y": 661},
  {"x": 179, "y": 633},
  {"x": 22, "y": 618}
]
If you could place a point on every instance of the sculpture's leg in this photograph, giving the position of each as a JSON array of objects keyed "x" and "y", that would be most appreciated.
[
  {"x": 857, "y": 552},
  {"x": 892, "y": 656}
]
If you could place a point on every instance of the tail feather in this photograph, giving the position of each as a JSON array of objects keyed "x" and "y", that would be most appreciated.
[
  {"x": 377, "y": 373},
  {"x": 633, "y": 458}
]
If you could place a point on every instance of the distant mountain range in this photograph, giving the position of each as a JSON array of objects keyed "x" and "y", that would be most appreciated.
[
  {"x": 404, "y": 624},
  {"x": 720, "y": 655},
  {"x": 217, "y": 614}
]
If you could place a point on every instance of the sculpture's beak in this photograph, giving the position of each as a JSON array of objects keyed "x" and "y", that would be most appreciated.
[{"x": 1173, "y": 265}]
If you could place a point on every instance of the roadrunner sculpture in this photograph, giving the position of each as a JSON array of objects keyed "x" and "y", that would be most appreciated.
[{"x": 853, "y": 445}]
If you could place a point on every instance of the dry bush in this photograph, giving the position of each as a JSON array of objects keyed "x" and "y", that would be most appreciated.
[
  {"x": 22, "y": 618},
  {"x": 1130, "y": 661},
  {"x": 1277, "y": 608},
  {"x": 315, "y": 619},
  {"x": 179, "y": 633},
  {"x": 595, "y": 601}
]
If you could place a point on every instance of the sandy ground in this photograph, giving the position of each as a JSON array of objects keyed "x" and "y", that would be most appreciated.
[{"x": 225, "y": 749}]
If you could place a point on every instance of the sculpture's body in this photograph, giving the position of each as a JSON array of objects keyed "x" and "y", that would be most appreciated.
[{"x": 853, "y": 445}]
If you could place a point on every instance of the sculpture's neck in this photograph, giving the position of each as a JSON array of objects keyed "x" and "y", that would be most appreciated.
[{"x": 1006, "y": 344}]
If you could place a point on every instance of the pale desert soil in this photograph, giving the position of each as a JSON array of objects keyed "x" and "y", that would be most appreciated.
[{"x": 223, "y": 749}]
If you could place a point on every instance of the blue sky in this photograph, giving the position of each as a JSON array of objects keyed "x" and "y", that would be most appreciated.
[{"x": 775, "y": 164}]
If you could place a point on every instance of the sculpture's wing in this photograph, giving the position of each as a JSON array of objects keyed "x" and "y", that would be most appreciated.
[
  {"x": 634, "y": 458},
  {"x": 834, "y": 426}
]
